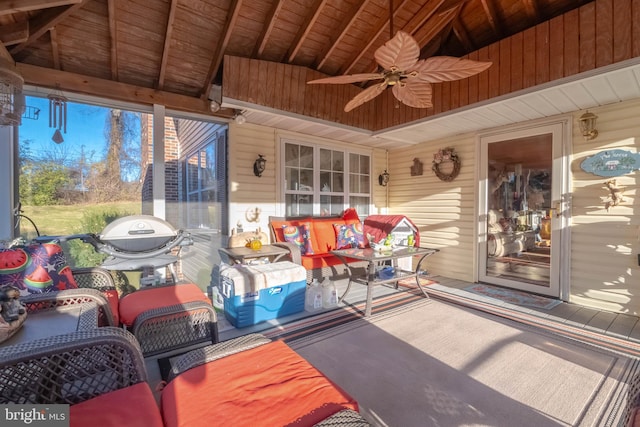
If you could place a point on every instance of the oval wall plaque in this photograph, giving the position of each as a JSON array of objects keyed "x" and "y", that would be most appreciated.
[{"x": 612, "y": 163}]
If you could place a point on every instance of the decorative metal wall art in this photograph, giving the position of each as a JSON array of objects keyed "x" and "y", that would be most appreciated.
[
  {"x": 416, "y": 168},
  {"x": 446, "y": 164},
  {"x": 611, "y": 163}
]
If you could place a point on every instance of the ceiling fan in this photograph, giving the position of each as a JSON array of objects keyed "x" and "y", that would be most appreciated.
[{"x": 409, "y": 76}]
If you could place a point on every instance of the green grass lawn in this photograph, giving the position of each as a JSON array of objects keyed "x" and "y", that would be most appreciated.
[{"x": 68, "y": 219}]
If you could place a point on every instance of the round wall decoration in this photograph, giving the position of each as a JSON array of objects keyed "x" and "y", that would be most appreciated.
[{"x": 446, "y": 164}]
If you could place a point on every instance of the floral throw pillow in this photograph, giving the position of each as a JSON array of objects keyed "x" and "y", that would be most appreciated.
[
  {"x": 350, "y": 236},
  {"x": 299, "y": 235},
  {"x": 36, "y": 268}
]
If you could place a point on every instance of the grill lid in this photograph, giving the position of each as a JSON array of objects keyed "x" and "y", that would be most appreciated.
[{"x": 138, "y": 233}]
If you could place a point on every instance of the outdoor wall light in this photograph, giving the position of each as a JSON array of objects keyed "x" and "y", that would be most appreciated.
[
  {"x": 259, "y": 165},
  {"x": 214, "y": 106},
  {"x": 240, "y": 118},
  {"x": 383, "y": 178},
  {"x": 587, "y": 123}
]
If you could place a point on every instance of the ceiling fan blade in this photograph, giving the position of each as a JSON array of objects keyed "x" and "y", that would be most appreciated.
[
  {"x": 413, "y": 93},
  {"x": 446, "y": 68},
  {"x": 348, "y": 78},
  {"x": 366, "y": 95},
  {"x": 401, "y": 52}
]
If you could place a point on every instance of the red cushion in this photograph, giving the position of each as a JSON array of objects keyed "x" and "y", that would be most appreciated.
[
  {"x": 131, "y": 406},
  {"x": 270, "y": 383},
  {"x": 133, "y": 304}
]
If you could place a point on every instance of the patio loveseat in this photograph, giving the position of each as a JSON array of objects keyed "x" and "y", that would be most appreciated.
[
  {"x": 101, "y": 374},
  {"x": 311, "y": 240}
]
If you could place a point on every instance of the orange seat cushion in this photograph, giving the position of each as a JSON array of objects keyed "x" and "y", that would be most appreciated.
[
  {"x": 136, "y": 303},
  {"x": 270, "y": 384},
  {"x": 130, "y": 406}
]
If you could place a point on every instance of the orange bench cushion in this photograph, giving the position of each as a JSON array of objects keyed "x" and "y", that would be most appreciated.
[
  {"x": 136, "y": 303},
  {"x": 131, "y": 406},
  {"x": 113, "y": 299},
  {"x": 270, "y": 384}
]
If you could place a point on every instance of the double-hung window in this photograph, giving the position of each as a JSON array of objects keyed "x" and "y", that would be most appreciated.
[{"x": 324, "y": 181}]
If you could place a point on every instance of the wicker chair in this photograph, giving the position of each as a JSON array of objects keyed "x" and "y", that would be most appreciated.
[{"x": 70, "y": 368}]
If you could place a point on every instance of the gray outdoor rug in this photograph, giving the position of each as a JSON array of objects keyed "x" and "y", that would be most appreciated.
[{"x": 431, "y": 363}]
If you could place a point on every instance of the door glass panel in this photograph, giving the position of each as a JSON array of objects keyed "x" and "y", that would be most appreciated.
[{"x": 519, "y": 210}]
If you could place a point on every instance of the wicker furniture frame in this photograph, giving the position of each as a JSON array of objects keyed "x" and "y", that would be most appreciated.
[
  {"x": 70, "y": 368},
  {"x": 68, "y": 297},
  {"x": 167, "y": 329}
]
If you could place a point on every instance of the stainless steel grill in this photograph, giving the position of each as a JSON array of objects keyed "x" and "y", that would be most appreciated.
[{"x": 140, "y": 242}]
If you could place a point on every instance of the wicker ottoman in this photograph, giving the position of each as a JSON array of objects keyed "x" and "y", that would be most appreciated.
[{"x": 169, "y": 318}]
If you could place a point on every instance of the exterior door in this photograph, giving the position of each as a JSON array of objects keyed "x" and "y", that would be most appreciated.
[{"x": 523, "y": 216}]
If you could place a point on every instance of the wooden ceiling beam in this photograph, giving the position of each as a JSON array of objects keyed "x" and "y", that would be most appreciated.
[
  {"x": 415, "y": 23},
  {"x": 492, "y": 16},
  {"x": 167, "y": 44},
  {"x": 230, "y": 23},
  {"x": 372, "y": 37},
  {"x": 53, "y": 34},
  {"x": 463, "y": 36},
  {"x": 267, "y": 28},
  {"x": 305, "y": 29},
  {"x": 531, "y": 6},
  {"x": 113, "y": 38},
  {"x": 441, "y": 21},
  {"x": 4, "y": 54},
  {"x": 45, "y": 20},
  {"x": 346, "y": 24},
  {"x": 11, "y": 6},
  {"x": 15, "y": 33},
  {"x": 108, "y": 89}
]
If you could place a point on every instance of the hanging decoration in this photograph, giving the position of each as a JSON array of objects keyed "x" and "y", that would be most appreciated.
[
  {"x": 58, "y": 116},
  {"x": 446, "y": 156},
  {"x": 11, "y": 96}
]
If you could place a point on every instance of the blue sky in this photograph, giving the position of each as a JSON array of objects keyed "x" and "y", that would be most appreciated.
[{"x": 85, "y": 126}]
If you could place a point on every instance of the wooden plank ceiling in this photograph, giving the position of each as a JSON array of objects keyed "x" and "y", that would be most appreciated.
[{"x": 173, "y": 50}]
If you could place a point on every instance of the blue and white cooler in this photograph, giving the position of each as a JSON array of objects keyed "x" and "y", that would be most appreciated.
[{"x": 256, "y": 293}]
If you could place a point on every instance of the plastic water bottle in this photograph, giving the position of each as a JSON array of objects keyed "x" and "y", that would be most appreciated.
[
  {"x": 329, "y": 294},
  {"x": 313, "y": 297}
]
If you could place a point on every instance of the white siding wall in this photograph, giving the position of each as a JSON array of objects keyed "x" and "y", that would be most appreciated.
[
  {"x": 443, "y": 211},
  {"x": 248, "y": 192},
  {"x": 605, "y": 245}
]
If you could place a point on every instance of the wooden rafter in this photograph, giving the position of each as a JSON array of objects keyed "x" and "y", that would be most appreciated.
[
  {"x": 268, "y": 28},
  {"x": 462, "y": 35},
  {"x": 11, "y": 6},
  {"x": 230, "y": 23},
  {"x": 15, "y": 33},
  {"x": 53, "y": 34},
  {"x": 492, "y": 16},
  {"x": 4, "y": 54},
  {"x": 305, "y": 29},
  {"x": 372, "y": 37},
  {"x": 167, "y": 43},
  {"x": 531, "y": 6},
  {"x": 347, "y": 23},
  {"x": 113, "y": 38},
  {"x": 415, "y": 23},
  {"x": 45, "y": 20},
  {"x": 439, "y": 23}
]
